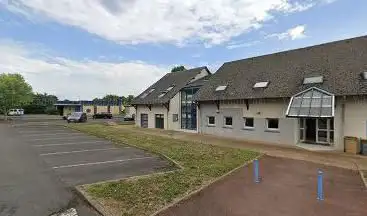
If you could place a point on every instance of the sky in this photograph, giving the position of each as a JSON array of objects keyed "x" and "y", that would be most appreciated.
[{"x": 82, "y": 49}]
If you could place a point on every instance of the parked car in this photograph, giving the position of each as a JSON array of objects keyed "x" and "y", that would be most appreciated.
[
  {"x": 103, "y": 115},
  {"x": 16, "y": 112},
  {"x": 66, "y": 117},
  {"x": 77, "y": 117},
  {"x": 129, "y": 118}
]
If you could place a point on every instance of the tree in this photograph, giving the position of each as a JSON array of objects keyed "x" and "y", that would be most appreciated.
[
  {"x": 15, "y": 92},
  {"x": 129, "y": 99},
  {"x": 111, "y": 98},
  {"x": 41, "y": 104},
  {"x": 178, "y": 68}
]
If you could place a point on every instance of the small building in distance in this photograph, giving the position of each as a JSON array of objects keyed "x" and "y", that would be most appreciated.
[{"x": 90, "y": 107}]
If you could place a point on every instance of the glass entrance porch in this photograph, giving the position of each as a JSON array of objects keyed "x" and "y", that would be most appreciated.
[{"x": 316, "y": 130}]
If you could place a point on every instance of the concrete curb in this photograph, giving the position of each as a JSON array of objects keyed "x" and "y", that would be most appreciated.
[
  {"x": 364, "y": 178},
  {"x": 104, "y": 212},
  {"x": 188, "y": 196},
  {"x": 92, "y": 202}
]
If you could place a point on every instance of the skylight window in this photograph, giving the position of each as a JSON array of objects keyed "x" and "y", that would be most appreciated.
[
  {"x": 364, "y": 75},
  {"x": 163, "y": 93},
  {"x": 261, "y": 84},
  {"x": 170, "y": 88},
  {"x": 144, "y": 95},
  {"x": 151, "y": 90},
  {"x": 221, "y": 88},
  {"x": 313, "y": 80}
]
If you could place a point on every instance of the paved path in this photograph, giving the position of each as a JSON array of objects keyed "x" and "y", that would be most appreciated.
[
  {"x": 288, "y": 188},
  {"x": 337, "y": 159},
  {"x": 27, "y": 185}
]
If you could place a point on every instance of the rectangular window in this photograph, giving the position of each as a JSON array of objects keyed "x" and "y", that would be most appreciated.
[
  {"x": 211, "y": 120},
  {"x": 325, "y": 131},
  {"x": 175, "y": 117},
  {"x": 228, "y": 121},
  {"x": 272, "y": 124},
  {"x": 249, "y": 123}
]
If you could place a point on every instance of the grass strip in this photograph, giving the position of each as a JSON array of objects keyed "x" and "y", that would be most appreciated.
[{"x": 142, "y": 196}]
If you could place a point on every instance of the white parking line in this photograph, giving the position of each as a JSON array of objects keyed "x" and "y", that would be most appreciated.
[
  {"x": 55, "y": 138},
  {"x": 71, "y": 143},
  {"x": 51, "y": 134},
  {"x": 37, "y": 131},
  {"x": 102, "y": 162},
  {"x": 69, "y": 212},
  {"x": 72, "y": 152}
]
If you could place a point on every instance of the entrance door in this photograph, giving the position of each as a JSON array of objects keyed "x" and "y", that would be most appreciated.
[
  {"x": 159, "y": 121},
  {"x": 311, "y": 130},
  {"x": 144, "y": 120},
  {"x": 316, "y": 130}
]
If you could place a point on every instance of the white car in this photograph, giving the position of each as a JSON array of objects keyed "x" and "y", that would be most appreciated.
[{"x": 16, "y": 112}]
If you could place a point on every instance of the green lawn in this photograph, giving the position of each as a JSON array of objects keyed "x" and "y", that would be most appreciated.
[{"x": 143, "y": 196}]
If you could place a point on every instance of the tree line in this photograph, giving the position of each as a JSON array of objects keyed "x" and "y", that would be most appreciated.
[{"x": 16, "y": 93}]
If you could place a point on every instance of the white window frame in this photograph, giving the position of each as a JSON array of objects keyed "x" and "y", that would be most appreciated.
[
  {"x": 225, "y": 123},
  {"x": 327, "y": 130},
  {"x": 302, "y": 129},
  {"x": 209, "y": 121},
  {"x": 248, "y": 127},
  {"x": 267, "y": 125},
  {"x": 221, "y": 88}
]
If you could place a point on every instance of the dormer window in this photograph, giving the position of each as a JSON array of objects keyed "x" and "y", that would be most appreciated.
[
  {"x": 261, "y": 84},
  {"x": 313, "y": 80},
  {"x": 221, "y": 88}
]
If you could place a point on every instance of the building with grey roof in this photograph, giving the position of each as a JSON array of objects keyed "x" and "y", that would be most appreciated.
[
  {"x": 311, "y": 97},
  {"x": 168, "y": 103}
]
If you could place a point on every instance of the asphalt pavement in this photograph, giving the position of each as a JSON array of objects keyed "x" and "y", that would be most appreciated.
[
  {"x": 42, "y": 162},
  {"x": 28, "y": 186}
]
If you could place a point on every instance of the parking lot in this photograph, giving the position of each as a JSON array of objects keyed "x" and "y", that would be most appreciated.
[{"x": 82, "y": 159}]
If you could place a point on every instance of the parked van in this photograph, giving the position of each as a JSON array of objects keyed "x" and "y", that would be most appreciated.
[{"x": 16, "y": 112}]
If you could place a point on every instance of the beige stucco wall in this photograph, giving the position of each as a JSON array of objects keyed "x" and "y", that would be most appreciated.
[
  {"x": 174, "y": 108},
  {"x": 85, "y": 108},
  {"x": 259, "y": 110},
  {"x": 355, "y": 117},
  {"x": 68, "y": 110},
  {"x": 101, "y": 109},
  {"x": 115, "y": 110},
  {"x": 155, "y": 109}
]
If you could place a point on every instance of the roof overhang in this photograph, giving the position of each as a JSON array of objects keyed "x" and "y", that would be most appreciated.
[{"x": 311, "y": 103}]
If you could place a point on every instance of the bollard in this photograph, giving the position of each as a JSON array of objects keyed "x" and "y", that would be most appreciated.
[
  {"x": 256, "y": 171},
  {"x": 320, "y": 192}
]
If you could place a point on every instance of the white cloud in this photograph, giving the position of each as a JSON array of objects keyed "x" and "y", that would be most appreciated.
[
  {"x": 73, "y": 79},
  {"x": 242, "y": 45},
  {"x": 295, "y": 33},
  {"x": 172, "y": 21}
]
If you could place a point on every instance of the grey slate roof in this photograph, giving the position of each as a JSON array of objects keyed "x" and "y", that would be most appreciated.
[
  {"x": 199, "y": 82},
  {"x": 340, "y": 63},
  {"x": 178, "y": 79}
]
